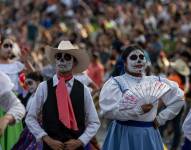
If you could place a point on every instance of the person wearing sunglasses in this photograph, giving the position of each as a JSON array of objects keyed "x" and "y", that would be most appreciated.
[
  {"x": 10, "y": 103},
  {"x": 69, "y": 117},
  {"x": 134, "y": 118}
]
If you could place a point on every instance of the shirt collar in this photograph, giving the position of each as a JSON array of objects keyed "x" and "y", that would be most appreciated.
[
  {"x": 126, "y": 75},
  {"x": 55, "y": 81}
]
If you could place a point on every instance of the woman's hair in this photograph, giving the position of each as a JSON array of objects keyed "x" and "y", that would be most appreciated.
[
  {"x": 129, "y": 49},
  {"x": 36, "y": 76},
  {"x": 2, "y": 38}
]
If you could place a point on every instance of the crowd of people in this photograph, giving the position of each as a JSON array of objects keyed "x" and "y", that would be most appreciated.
[{"x": 103, "y": 29}]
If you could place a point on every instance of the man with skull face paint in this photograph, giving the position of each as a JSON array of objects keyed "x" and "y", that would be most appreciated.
[
  {"x": 69, "y": 117},
  {"x": 135, "y": 120}
]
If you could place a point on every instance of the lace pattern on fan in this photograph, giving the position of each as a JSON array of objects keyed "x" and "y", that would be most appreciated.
[
  {"x": 150, "y": 90},
  {"x": 129, "y": 100}
]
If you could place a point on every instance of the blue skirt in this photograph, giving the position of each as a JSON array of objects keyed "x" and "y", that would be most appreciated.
[
  {"x": 132, "y": 135},
  {"x": 187, "y": 144}
]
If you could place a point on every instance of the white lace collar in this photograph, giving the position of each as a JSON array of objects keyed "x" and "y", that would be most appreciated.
[{"x": 137, "y": 79}]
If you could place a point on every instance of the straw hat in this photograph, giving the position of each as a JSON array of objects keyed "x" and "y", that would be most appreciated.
[
  {"x": 181, "y": 67},
  {"x": 67, "y": 47}
]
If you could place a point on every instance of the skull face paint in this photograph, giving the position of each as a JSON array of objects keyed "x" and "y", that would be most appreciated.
[
  {"x": 64, "y": 62},
  {"x": 6, "y": 50},
  {"x": 136, "y": 62},
  {"x": 32, "y": 85}
]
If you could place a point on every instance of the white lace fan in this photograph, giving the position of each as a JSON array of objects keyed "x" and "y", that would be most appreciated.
[{"x": 150, "y": 91}]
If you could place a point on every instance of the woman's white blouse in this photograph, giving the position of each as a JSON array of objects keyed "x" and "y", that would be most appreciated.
[
  {"x": 8, "y": 101},
  {"x": 112, "y": 98},
  {"x": 5, "y": 84},
  {"x": 187, "y": 126},
  {"x": 13, "y": 70}
]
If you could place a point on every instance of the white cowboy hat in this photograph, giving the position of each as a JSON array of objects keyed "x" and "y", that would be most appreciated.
[
  {"x": 67, "y": 47},
  {"x": 181, "y": 67}
]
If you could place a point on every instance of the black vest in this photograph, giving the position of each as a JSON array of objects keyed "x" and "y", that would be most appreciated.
[{"x": 51, "y": 122}]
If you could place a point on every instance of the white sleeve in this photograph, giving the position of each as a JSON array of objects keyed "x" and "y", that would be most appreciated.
[
  {"x": 173, "y": 100},
  {"x": 34, "y": 110},
  {"x": 110, "y": 98},
  {"x": 12, "y": 105},
  {"x": 92, "y": 122},
  {"x": 20, "y": 66},
  {"x": 6, "y": 84},
  {"x": 187, "y": 126}
]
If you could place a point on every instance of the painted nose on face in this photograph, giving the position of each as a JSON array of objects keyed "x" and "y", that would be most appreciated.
[
  {"x": 62, "y": 59},
  {"x": 139, "y": 61}
]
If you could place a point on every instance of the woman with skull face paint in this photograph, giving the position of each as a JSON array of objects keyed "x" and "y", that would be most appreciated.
[
  {"x": 32, "y": 81},
  {"x": 69, "y": 117},
  {"x": 135, "y": 119},
  {"x": 27, "y": 140},
  {"x": 13, "y": 69}
]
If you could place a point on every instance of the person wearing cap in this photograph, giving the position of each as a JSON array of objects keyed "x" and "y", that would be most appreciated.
[
  {"x": 134, "y": 117},
  {"x": 10, "y": 103},
  {"x": 69, "y": 117},
  {"x": 187, "y": 132}
]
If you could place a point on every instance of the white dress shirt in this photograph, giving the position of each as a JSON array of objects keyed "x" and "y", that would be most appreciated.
[
  {"x": 113, "y": 107},
  {"x": 187, "y": 126},
  {"x": 85, "y": 79},
  {"x": 92, "y": 122},
  {"x": 8, "y": 100}
]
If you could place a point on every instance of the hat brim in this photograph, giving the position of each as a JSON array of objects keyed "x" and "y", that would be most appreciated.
[
  {"x": 81, "y": 56},
  {"x": 184, "y": 70}
]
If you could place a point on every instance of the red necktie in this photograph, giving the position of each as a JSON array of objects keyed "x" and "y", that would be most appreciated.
[{"x": 65, "y": 109}]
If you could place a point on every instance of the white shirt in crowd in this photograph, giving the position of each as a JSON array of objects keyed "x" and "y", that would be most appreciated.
[
  {"x": 13, "y": 70},
  {"x": 85, "y": 79},
  {"x": 8, "y": 100},
  {"x": 92, "y": 122},
  {"x": 187, "y": 126},
  {"x": 112, "y": 106}
]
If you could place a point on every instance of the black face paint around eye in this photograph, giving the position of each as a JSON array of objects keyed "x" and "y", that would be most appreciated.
[
  {"x": 63, "y": 56},
  {"x": 141, "y": 56},
  {"x": 135, "y": 57},
  {"x": 7, "y": 45},
  {"x": 67, "y": 57},
  {"x": 58, "y": 56}
]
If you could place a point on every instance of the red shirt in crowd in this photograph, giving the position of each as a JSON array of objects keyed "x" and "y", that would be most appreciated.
[{"x": 96, "y": 72}]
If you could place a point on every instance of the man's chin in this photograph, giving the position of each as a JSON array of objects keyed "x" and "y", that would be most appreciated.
[{"x": 64, "y": 71}]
